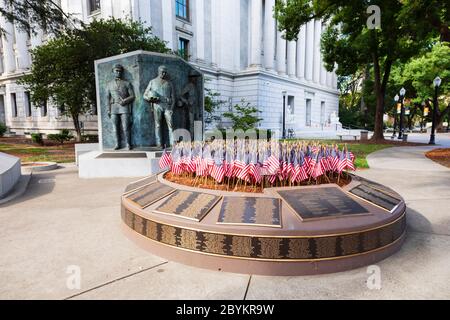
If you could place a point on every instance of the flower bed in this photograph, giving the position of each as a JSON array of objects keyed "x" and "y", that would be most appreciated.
[{"x": 243, "y": 165}]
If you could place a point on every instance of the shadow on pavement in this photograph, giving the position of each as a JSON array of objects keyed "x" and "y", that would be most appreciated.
[{"x": 39, "y": 185}]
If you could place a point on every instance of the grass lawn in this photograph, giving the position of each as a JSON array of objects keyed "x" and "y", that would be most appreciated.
[
  {"x": 361, "y": 151},
  {"x": 29, "y": 152}
]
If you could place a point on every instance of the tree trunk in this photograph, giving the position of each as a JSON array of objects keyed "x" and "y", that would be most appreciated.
[
  {"x": 380, "y": 92},
  {"x": 76, "y": 124},
  {"x": 378, "y": 133},
  {"x": 440, "y": 117}
]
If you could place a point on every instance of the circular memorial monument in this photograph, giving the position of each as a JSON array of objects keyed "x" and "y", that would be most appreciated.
[{"x": 303, "y": 226}]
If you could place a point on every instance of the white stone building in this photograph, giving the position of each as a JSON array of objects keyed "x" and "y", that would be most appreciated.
[{"x": 235, "y": 42}]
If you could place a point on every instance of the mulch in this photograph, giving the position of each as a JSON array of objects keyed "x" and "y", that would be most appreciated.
[
  {"x": 441, "y": 156},
  {"x": 210, "y": 184}
]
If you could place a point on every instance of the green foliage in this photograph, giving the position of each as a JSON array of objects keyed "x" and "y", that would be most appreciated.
[
  {"x": 2, "y": 129},
  {"x": 406, "y": 28},
  {"x": 61, "y": 137},
  {"x": 244, "y": 117},
  {"x": 37, "y": 138},
  {"x": 91, "y": 138},
  {"x": 418, "y": 74},
  {"x": 212, "y": 104},
  {"x": 63, "y": 68},
  {"x": 29, "y": 15}
]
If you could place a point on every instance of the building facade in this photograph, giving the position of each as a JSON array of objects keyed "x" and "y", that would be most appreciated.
[{"x": 235, "y": 43}]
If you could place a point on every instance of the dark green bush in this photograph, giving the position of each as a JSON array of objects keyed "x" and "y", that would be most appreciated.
[
  {"x": 61, "y": 137},
  {"x": 37, "y": 138},
  {"x": 91, "y": 138},
  {"x": 2, "y": 129}
]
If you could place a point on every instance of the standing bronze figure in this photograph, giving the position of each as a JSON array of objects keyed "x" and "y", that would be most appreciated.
[
  {"x": 189, "y": 99},
  {"x": 160, "y": 93},
  {"x": 120, "y": 101}
]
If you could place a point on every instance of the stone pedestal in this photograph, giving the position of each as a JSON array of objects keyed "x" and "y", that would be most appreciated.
[{"x": 100, "y": 164}]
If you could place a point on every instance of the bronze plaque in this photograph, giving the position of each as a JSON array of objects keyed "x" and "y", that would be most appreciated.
[
  {"x": 376, "y": 196},
  {"x": 190, "y": 205},
  {"x": 138, "y": 184},
  {"x": 250, "y": 211},
  {"x": 150, "y": 194},
  {"x": 319, "y": 203}
]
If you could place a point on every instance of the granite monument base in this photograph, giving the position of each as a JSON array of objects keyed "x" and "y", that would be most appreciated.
[
  {"x": 104, "y": 164},
  {"x": 288, "y": 231}
]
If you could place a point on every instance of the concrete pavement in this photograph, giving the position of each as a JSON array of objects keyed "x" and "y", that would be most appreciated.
[{"x": 63, "y": 223}]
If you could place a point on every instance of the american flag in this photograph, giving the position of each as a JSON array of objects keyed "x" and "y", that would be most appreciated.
[
  {"x": 349, "y": 162},
  {"x": 165, "y": 161},
  {"x": 176, "y": 167},
  {"x": 251, "y": 160},
  {"x": 342, "y": 164}
]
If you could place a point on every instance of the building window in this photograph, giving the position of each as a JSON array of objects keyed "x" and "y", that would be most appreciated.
[
  {"x": 183, "y": 48},
  {"x": 14, "y": 105},
  {"x": 27, "y": 103},
  {"x": 44, "y": 110},
  {"x": 94, "y": 6},
  {"x": 182, "y": 9},
  {"x": 308, "y": 112},
  {"x": 322, "y": 113}
]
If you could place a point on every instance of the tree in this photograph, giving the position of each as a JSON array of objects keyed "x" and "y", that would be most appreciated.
[
  {"x": 417, "y": 77},
  {"x": 212, "y": 104},
  {"x": 28, "y": 15},
  {"x": 350, "y": 44},
  {"x": 244, "y": 117},
  {"x": 63, "y": 68}
]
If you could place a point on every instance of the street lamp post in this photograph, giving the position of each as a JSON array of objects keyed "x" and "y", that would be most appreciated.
[
  {"x": 396, "y": 98},
  {"x": 422, "y": 123},
  {"x": 402, "y": 113},
  {"x": 437, "y": 83},
  {"x": 284, "y": 114}
]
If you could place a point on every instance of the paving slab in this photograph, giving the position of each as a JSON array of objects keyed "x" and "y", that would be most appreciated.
[
  {"x": 418, "y": 271},
  {"x": 63, "y": 221},
  {"x": 174, "y": 281},
  {"x": 60, "y": 222}
]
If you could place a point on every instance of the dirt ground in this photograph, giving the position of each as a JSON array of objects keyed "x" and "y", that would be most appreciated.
[{"x": 239, "y": 186}]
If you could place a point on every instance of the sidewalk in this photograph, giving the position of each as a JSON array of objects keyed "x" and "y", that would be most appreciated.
[{"x": 63, "y": 221}]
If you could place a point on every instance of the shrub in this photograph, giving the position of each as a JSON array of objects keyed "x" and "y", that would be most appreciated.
[
  {"x": 2, "y": 129},
  {"x": 91, "y": 138},
  {"x": 37, "y": 138},
  {"x": 61, "y": 137},
  {"x": 244, "y": 116}
]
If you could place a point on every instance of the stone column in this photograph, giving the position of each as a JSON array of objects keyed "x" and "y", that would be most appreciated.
[
  {"x": 281, "y": 53},
  {"x": 317, "y": 55},
  {"x": 9, "y": 62},
  {"x": 36, "y": 39},
  {"x": 256, "y": 25},
  {"x": 291, "y": 58},
  {"x": 329, "y": 80},
  {"x": 301, "y": 53},
  {"x": 23, "y": 56},
  {"x": 309, "y": 50},
  {"x": 168, "y": 13},
  {"x": 200, "y": 34},
  {"x": 269, "y": 35}
]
